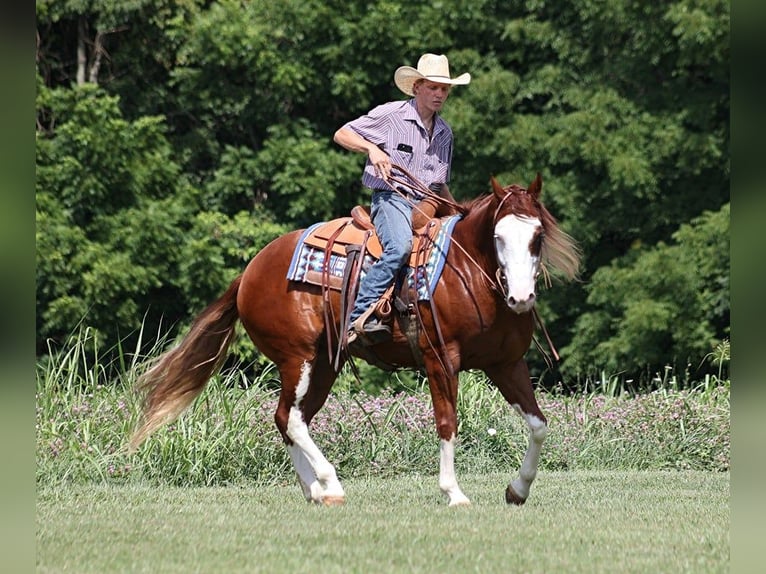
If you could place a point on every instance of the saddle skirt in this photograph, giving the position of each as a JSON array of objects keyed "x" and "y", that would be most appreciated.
[{"x": 331, "y": 240}]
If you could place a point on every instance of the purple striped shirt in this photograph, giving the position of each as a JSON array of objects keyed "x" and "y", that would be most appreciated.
[{"x": 397, "y": 129}]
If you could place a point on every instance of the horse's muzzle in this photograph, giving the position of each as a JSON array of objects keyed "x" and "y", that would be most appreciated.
[{"x": 518, "y": 305}]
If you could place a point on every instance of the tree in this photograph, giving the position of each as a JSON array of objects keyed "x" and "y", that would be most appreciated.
[
  {"x": 85, "y": 28},
  {"x": 667, "y": 305},
  {"x": 109, "y": 202},
  {"x": 622, "y": 106}
]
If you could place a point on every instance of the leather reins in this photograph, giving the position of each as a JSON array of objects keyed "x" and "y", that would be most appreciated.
[{"x": 418, "y": 186}]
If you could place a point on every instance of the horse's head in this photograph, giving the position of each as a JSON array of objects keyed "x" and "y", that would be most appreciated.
[{"x": 519, "y": 232}]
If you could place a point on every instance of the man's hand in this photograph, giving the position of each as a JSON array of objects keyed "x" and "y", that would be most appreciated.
[
  {"x": 351, "y": 140},
  {"x": 381, "y": 161}
]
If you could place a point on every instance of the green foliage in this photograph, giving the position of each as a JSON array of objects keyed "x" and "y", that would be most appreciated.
[
  {"x": 207, "y": 130},
  {"x": 95, "y": 161},
  {"x": 106, "y": 213},
  {"x": 119, "y": 231},
  {"x": 665, "y": 304},
  {"x": 299, "y": 174},
  {"x": 216, "y": 249}
]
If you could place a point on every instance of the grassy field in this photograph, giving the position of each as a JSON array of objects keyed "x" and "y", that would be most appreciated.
[
  {"x": 628, "y": 482},
  {"x": 576, "y": 521}
]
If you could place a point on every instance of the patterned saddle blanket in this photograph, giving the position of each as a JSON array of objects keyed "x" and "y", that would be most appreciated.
[{"x": 430, "y": 247}]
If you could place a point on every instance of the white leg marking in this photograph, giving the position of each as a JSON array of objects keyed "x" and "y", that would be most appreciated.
[
  {"x": 538, "y": 430},
  {"x": 317, "y": 475},
  {"x": 309, "y": 483},
  {"x": 447, "y": 479}
]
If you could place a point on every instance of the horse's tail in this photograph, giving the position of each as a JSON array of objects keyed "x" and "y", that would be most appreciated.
[{"x": 178, "y": 376}]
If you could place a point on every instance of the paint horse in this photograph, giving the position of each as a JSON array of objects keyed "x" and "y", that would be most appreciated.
[{"x": 483, "y": 307}]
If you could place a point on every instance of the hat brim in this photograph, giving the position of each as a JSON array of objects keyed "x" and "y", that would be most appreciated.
[{"x": 406, "y": 76}]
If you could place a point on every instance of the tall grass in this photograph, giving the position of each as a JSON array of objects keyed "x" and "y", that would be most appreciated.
[{"x": 85, "y": 415}]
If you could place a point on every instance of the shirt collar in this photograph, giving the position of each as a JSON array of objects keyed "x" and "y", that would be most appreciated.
[{"x": 413, "y": 115}]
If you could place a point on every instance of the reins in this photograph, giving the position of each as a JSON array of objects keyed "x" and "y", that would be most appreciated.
[{"x": 419, "y": 187}]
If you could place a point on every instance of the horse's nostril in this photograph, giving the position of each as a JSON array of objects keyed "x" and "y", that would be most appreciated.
[{"x": 523, "y": 304}]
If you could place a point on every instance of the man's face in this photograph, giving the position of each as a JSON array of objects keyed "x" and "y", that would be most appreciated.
[{"x": 431, "y": 95}]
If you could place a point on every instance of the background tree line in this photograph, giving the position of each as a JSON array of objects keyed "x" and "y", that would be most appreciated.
[{"x": 176, "y": 138}]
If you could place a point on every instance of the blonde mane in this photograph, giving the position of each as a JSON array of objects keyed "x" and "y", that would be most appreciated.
[{"x": 561, "y": 256}]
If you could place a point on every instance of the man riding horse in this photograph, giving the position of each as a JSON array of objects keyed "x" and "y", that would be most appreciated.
[{"x": 409, "y": 133}]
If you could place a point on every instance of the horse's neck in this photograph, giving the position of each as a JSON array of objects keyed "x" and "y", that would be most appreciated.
[{"x": 474, "y": 235}]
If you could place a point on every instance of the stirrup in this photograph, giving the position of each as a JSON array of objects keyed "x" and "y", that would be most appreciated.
[{"x": 368, "y": 331}]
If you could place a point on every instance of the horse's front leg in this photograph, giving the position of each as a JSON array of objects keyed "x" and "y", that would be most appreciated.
[
  {"x": 443, "y": 389},
  {"x": 516, "y": 386}
]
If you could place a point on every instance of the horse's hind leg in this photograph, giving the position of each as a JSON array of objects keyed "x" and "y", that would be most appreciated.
[
  {"x": 305, "y": 386},
  {"x": 515, "y": 385}
]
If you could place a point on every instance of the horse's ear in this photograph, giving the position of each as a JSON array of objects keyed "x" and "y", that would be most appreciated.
[
  {"x": 497, "y": 188},
  {"x": 536, "y": 186}
]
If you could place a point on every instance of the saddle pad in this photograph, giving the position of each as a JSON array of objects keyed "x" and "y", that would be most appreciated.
[{"x": 308, "y": 262}]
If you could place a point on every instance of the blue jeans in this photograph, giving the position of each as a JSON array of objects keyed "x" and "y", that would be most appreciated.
[{"x": 392, "y": 216}]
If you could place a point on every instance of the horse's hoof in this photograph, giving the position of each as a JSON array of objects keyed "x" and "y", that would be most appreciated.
[
  {"x": 333, "y": 500},
  {"x": 512, "y": 498}
]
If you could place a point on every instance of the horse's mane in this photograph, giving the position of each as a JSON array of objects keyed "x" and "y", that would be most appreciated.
[
  {"x": 560, "y": 255},
  {"x": 560, "y": 251},
  {"x": 475, "y": 204}
]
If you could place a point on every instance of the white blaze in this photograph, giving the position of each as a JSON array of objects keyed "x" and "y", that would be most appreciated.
[{"x": 513, "y": 236}]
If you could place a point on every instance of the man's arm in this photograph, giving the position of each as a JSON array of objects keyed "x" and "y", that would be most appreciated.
[{"x": 352, "y": 141}]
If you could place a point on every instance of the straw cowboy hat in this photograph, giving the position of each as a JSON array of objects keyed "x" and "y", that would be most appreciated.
[{"x": 430, "y": 67}]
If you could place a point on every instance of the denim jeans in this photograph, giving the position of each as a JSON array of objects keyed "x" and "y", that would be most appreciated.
[{"x": 392, "y": 216}]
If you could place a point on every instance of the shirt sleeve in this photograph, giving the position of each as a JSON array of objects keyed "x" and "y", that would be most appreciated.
[
  {"x": 448, "y": 176},
  {"x": 374, "y": 125}
]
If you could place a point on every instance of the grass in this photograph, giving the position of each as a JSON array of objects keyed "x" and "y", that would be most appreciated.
[
  {"x": 228, "y": 437},
  {"x": 628, "y": 482},
  {"x": 575, "y": 521}
]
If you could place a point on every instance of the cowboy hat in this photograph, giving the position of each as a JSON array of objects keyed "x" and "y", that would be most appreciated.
[{"x": 430, "y": 67}]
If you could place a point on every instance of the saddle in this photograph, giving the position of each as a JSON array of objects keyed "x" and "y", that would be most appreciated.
[
  {"x": 333, "y": 254},
  {"x": 353, "y": 239},
  {"x": 337, "y": 235}
]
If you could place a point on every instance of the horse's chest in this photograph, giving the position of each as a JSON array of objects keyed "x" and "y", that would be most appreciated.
[{"x": 496, "y": 344}]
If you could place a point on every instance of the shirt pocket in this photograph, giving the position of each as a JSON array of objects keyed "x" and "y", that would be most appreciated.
[{"x": 402, "y": 155}]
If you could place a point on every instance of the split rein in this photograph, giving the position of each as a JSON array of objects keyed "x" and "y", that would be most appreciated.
[
  {"x": 496, "y": 285},
  {"x": 418, "y": 187}
]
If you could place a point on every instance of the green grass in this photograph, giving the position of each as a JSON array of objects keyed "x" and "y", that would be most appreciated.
[
  {"x": 575, "y": 521},
  {"x": 628, "y": 482}
]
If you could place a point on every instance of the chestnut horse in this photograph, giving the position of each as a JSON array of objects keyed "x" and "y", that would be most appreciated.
[{"x": 484, "y": 310}]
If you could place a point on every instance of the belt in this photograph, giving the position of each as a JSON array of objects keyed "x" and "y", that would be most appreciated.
[
  {"x": 407, "y": 192},
  {"x": 398, "y": 188}
]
